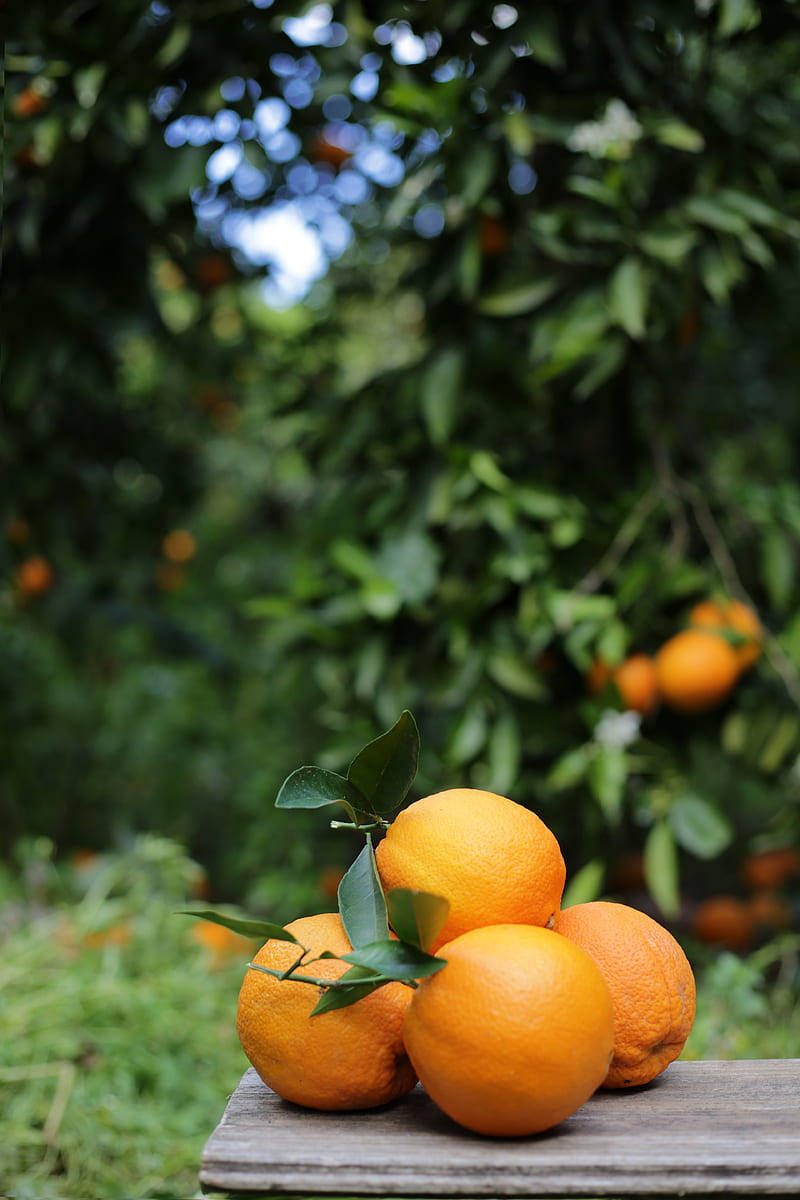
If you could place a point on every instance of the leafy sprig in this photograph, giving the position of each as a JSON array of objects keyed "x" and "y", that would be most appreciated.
[{"x": 377, "y": 782}]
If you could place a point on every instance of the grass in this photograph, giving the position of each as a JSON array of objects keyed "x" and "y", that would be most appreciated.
[{"x": 117, "y": 1045}]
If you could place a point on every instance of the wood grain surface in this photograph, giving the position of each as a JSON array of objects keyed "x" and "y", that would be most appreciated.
[{"x": 701, "y": 1128}]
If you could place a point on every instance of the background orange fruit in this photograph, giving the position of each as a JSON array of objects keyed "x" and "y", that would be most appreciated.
[
  {"x": 222, "y": 944},
  {"x": 696, "y": 670},
  {"x": 347, "y": 1058},
  {"x": 735, "y": 616},
  {"x": 650, "y": 980},
  {"x": 514, "y": 1034},
  {"x": 637, "y": 681},
  {"x": 34, "y": 576},
  {"x": 494, "y": 861},
  {"x": 724, "y": 921},
  {"x": 771, "y": 868}
]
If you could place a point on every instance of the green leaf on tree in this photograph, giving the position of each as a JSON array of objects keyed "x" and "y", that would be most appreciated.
[
  {"x": 385, "y": 769},
  {"x": 247, "y": 927},
  {"x": 699, "y": 826},
  {"x": 627, "y": 296},
  {"x": 314, "y": 787},
  {"x": 661, "y": 868},
  {"x": 416, "y": 917},
  {"x": 361, "y": 901}
]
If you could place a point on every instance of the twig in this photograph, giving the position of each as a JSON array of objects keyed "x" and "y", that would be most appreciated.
[{"x": 621, "y": 543}]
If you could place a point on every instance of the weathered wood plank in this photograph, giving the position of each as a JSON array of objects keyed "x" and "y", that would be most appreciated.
[{"x": 701, "y": 1128}]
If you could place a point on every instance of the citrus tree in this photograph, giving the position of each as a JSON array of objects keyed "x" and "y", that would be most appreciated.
[{"x": 542, "y": 404}]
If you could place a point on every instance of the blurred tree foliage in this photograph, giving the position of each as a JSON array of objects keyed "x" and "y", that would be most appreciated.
[{"x": 544, "y": 401}]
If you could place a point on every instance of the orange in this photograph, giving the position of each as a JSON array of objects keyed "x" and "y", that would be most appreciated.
[
  {"x": 599, "y": 676},
  {"x": 733, "y": 616},
  {"x": 114, "y": 935},
  {"x": 635, "y": 679},
  {"x": 651, "y": 984},
  {"x": 221, "y": 944},
  {"x": 696, "y": 670},
  {"x": 213, "y": 270},
  {"x": 637, "y": 683},
  {"x": 347, "y": 1058},
  {"x": 34, "y": 576},
  {"x": 494, "y": 861},
  {"x": 179, "y": 545},
  {"x": 769, "y": 911},
  {"x": 771, "y": 868},
  {"x": 514, "y": 1034},
  {"x": 724, "y": 921},
  {"x": 492, "y": 235},
  {"x": 28, "y": 103}
]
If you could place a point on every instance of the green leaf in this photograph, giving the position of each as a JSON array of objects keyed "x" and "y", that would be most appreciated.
[
  {"x": 751, "y": 208},
  {"x": 248, "y": 927},
  {"x": 515, "y": 675},
  {"x": 571, "y": 768},
  {"x": 719, "y": 272},
  {"x": 585, "y": 884},
  {"x": 605, "y": 363},
  {"x": 441, "y": 393},
  {"x": 628, "y": 293},
  {"x": 661, "y": 868},
  {"x": 668, "y": 245},
  {"x": 607, "y": 774},
  {"x": 679, "y": 135},
  {"x": 485, "y": 469},
  {"x": 416, "y": 917},
  {"x": 736, "y": 16},
  {"x": 706, "y": 210},
  {"x": 397, "y": 960},
  {"x": 505, "y": 752},
  {"x": 385, "y": 769},
  {"x": 699, "y": 826},
  {"x": 468, "y": 735},
  {"x": 314, "y": 787},
  {"x": 344, "y": 996},
  {"x": 511, "y": 301},
  {"x": 778, "y": 566},
  {"x": 361, "y": 902}
]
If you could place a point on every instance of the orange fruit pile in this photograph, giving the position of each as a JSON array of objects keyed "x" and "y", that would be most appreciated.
[
  {"x": 693, "y": 671},
  {"x": 534, "y": 1010}
]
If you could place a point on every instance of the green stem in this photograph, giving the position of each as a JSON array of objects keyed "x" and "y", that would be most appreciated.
[
  {"x": 322, "y": 983},
  {"x": 378, "y": 823}
]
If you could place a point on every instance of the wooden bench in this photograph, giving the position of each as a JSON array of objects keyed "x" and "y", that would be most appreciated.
[{"x": 701, "y": 1128}]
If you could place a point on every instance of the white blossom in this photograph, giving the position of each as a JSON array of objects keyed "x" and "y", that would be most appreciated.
[
  {"x": 617, "y": 729},
  {"x": 612, "y": 136}
]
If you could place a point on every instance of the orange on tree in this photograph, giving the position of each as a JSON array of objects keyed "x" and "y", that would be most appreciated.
[
  {"x": 734, "y": 617},
  {"x": 28, "y": 103},
  {"x": 651, "y": 984},
  {"x": 494, "y": 861},
  {"x": 514, "y": 1034},
  {"x": 345, "y": 1058},
  {"x": 492, "y": 235},
  {"x": 599, "y": 676},
  {"x": 769, "y": 912},
  {"x": 637, "y": 682},
  {"x": 635, "y": 679},
  {"x": 724, "y": 921},
  {"x": 179, "y": 545},
  {"x": 696, "y": 670},
  {"x": 771, "y": 868},
  {"x": 34, "y": 576}
]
